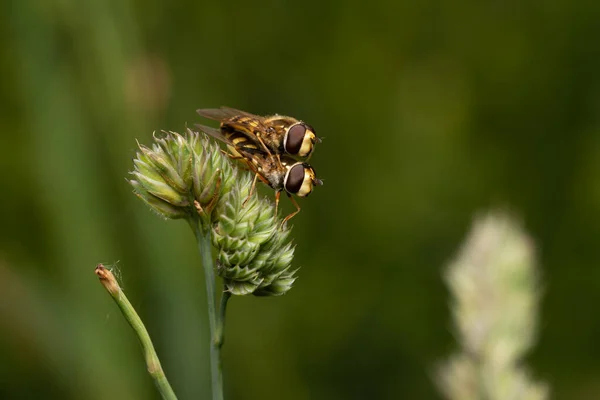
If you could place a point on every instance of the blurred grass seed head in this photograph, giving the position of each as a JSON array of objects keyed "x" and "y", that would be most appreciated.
[
  {"x": 189, "y": 177},
  {"x": 494, "y": 283}
]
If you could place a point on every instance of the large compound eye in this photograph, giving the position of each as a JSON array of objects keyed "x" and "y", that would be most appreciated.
[
  {"x": 294, "y": 178},
  {"x": 294, "y": 139}
]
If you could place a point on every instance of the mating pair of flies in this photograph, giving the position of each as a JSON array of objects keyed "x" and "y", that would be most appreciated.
[{"x": 275, "y": 148}]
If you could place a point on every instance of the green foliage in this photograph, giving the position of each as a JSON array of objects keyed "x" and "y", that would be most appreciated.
[{"x": 429, "y": 111}]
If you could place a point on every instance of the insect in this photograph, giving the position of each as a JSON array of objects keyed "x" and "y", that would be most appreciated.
[
  {"x": 281, "y": 172},
  {"x": 277, "y": 134}
]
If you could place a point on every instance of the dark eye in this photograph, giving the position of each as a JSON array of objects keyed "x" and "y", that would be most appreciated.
[
  {"x": 294, "y": 139},
  {"x": 295, "y": 178}
]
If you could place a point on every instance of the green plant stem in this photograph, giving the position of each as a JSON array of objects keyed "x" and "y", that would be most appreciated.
[
  {"x": 155, "y": 370},
  {"x": 203, "y": 238},
  {"x": 221, "y": 323}
]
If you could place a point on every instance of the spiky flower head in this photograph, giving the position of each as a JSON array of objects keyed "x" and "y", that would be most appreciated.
[
  {"x": 180, "y": 174},
  {"x": 254, "y": 254},
  {"x": 212, "y": 171},
  {"x": 189, "y": 177}
]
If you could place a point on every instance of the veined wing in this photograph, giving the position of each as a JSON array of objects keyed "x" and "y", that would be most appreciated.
[
  {"x": 225, "y": 113},
  {"x": 250, "y": 124},
  {"x": 215, "y": 133}
]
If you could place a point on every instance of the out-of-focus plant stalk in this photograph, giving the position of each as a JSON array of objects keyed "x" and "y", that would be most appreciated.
[
  {"x": 494, "y": 286},
  {"x": 155, "y": 370}
]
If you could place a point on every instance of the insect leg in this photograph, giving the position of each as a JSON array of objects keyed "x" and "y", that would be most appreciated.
[
  {"x": 264, "y": 145},
  {"x": 277, "y": 195},
  {"x": 279, "y": 162},
  {"x": 256, "y": 175},
  {"x": 286, "y": 219},
  {"x": 233, "y": 157}
]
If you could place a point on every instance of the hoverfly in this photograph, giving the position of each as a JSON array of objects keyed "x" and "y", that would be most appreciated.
[
  {"x": 281, "y": 172},
  {"x": 277, "y": 134}
]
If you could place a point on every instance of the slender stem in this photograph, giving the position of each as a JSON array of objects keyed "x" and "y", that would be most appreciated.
[
  {"x": 220, "y": 339},
  {"x": 203, "y": 238},
  {"x": 155, "y": 370}
]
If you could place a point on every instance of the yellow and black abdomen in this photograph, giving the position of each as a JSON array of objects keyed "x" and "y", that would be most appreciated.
[{"x": 239, "y": 141}]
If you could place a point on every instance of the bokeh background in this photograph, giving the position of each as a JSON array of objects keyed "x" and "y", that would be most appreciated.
[{"x": 430, "y": 111}]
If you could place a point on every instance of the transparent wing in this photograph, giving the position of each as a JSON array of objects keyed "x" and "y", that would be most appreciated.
[
  {"x": 245, "y": 123},
  {"x": 233, "y": 111},
  {"x": 215, "y": 133},
  {"x": 225, "y": 113}
]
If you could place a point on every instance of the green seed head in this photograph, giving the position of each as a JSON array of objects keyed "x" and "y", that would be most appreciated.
[
  {"x": 212, "y": 170},
  {"x": 178, "y": 171},
  {"x": 190, "y": 177},
  {"x": 254, "y": 256}
]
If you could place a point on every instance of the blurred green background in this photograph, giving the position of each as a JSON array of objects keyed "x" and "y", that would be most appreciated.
[{"x": 430, "y": 110}]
